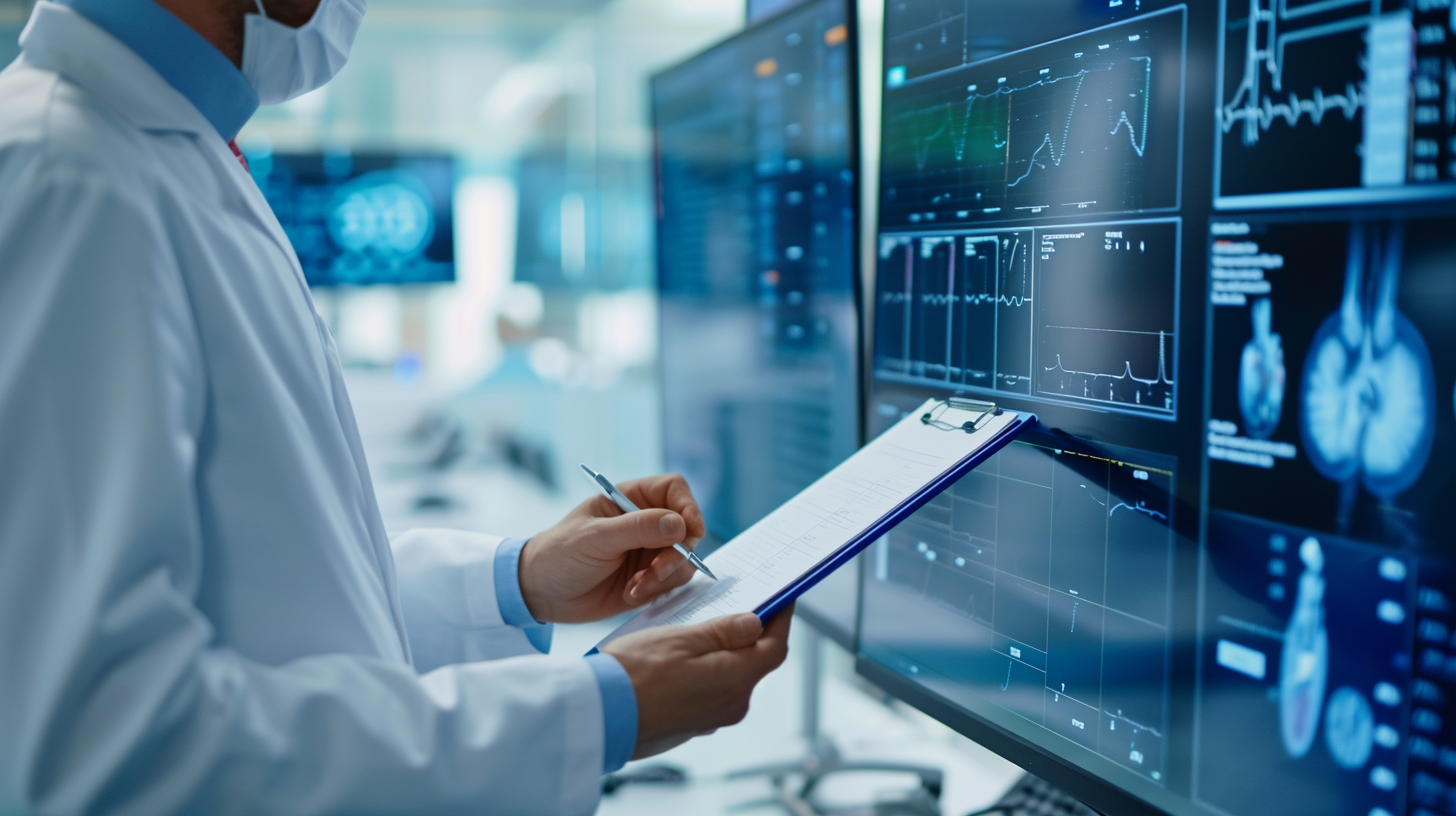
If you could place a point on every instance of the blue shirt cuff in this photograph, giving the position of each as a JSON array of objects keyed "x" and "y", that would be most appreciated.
[
  {"x": 619, "y": 710},
  {"x": 512, "y": 603}
]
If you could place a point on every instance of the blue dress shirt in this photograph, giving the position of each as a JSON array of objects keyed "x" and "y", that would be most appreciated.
[
  {"x": 188, "y": 63},
  {"x": 619, "y": 699},
  {"x": 216, "y": 87}
]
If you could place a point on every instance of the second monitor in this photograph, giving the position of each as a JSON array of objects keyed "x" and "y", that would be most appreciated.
[{"x": 757, "y": 248}]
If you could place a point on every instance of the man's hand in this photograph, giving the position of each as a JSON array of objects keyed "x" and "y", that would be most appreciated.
[
  {"x": 693, "y": 680},
  {"x": 599, "y": 562}
]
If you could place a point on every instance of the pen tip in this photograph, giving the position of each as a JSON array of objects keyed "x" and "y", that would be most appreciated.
[{"x": 698, "y": 562}]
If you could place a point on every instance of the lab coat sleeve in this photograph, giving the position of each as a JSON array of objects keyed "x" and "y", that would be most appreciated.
[
  {"x": 456, "y": 589},
  {"x": 114, "y": 697}
]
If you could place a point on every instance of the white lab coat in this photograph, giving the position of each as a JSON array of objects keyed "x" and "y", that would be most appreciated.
[{"x": 199, "y": 609}]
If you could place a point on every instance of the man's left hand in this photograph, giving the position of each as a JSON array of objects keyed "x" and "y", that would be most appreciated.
[{"x": 599, "y": 562}]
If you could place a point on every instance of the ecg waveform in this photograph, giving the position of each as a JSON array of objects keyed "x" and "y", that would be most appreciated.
[
  {"x": 957, "y": 310},
  {"x": 1333, "y": 95},
  {"x": 1084, "y": 124},
  {"x": 1123, "y": 386},
  {"x": 1106, "y": 328},
  {"x": 1253, "y": 111}
]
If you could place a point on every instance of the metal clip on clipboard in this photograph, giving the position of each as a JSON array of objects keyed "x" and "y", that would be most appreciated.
[{"x": 985, "y": 409}]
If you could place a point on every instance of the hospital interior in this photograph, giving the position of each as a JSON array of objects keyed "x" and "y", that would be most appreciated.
[{"x": 1205, "y": 248}]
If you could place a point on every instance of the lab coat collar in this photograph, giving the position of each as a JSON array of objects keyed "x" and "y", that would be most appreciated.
[
  {"x": 61, "y": 40},
  {"x": 184, "y": 58}
]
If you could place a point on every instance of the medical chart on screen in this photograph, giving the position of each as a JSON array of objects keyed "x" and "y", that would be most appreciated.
[{"x": 827, "y": 517}]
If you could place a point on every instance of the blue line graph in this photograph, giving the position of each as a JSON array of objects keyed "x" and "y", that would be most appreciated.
[
  {"x": 1139, "y": 146},
  {"x": 1139, "y": 507},
  {"x": 1254, "y": 111},
  {"x": 1098, "y": 385},
  {"x": 960, "y": 119},
  {"x": 1333, "y": 102},
  {"x": 1081, "y": 124}
]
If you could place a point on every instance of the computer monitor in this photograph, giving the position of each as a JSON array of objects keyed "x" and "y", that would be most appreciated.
[
  {"x": 757, "y": 162},
  {"x": 363, "y": 219},
  {"x": 1213, "y": 247}
]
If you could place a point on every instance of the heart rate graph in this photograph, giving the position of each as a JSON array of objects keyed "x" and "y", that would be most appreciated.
[
  {"x": 1106, "y": 322},
  {"x": 1085, "y": 124},
  {"x": 957, "y": 310},
  {"x": 1334, "y": 102}
]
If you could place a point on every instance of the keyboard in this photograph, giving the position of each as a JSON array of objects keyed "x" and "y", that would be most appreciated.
[{"x": 1034, "y": 796}]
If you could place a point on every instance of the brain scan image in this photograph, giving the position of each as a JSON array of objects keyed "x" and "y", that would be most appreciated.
[
  {"x": 385, "y": 215},
  {"x": 1304, "y": 665},
  {"x": 1262, "y": 374},
  {"x": 1369, "y": 397}
]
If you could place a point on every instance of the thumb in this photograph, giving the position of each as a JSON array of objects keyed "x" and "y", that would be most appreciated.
[
  {"x": 725, "y": 633},
  {"x": 644, "y": 529}
]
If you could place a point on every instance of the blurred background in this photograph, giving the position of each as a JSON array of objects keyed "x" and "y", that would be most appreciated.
[
  {"x": 530, "y": 124},
  {"x": 525, "y": 133},
  {"x": 513, "y": 143}
]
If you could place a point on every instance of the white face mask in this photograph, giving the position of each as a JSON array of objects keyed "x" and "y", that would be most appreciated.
[{"x": 282, "y": 62}]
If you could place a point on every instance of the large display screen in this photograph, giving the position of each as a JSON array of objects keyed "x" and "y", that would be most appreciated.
[
  {"x": 1213, "y": 247},
  {"x": 757, "y": 269},
  {"x": 363, "y": 219}
]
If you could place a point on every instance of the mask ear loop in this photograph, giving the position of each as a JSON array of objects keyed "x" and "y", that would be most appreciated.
[{"x": 261, "y": 10}]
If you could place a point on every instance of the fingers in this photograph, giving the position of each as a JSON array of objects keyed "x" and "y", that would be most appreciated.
[
  {"x": 722, "y": 634},
  {"x": 773, "y": 645},
  {"x": 669, "y": 491},
  {"x": 667, "y": 572},
  {"x": 777, "y": 630},
  {"x": 646, "y": 529}
]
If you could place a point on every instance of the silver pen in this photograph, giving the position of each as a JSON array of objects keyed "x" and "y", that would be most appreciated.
[{"x": 626, "y": 506}]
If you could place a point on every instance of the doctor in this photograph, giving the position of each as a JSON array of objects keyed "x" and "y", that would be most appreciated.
[{"x": 199, "y": 609}]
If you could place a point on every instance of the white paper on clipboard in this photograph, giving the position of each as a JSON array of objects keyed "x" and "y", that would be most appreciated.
[{"x": 829, "y": 514}]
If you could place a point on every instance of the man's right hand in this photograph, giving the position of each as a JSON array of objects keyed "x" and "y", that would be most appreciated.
[{"x": 692, "y": 680}]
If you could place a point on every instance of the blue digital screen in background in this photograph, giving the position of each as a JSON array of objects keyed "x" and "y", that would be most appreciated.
[
  {"x": 363, "y": 219},
  {"x": 763, "y": 9},
  {"x": 1213, "y": 247},
  {"x": 757, "y": 271}
]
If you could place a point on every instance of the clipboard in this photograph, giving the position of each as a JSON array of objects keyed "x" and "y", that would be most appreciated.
[{"x": 771, "y": 564}]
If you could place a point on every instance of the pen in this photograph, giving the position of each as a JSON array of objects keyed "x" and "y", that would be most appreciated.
[{"x": 627, "y": 506}]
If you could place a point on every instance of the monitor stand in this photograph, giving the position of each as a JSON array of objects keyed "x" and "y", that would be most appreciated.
[{"x": 824, "y": 760}]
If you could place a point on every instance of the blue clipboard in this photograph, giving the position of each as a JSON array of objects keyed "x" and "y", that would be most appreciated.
[
  {"x": 936, "y": 414},
  {"x": 890, "y": 520}
]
